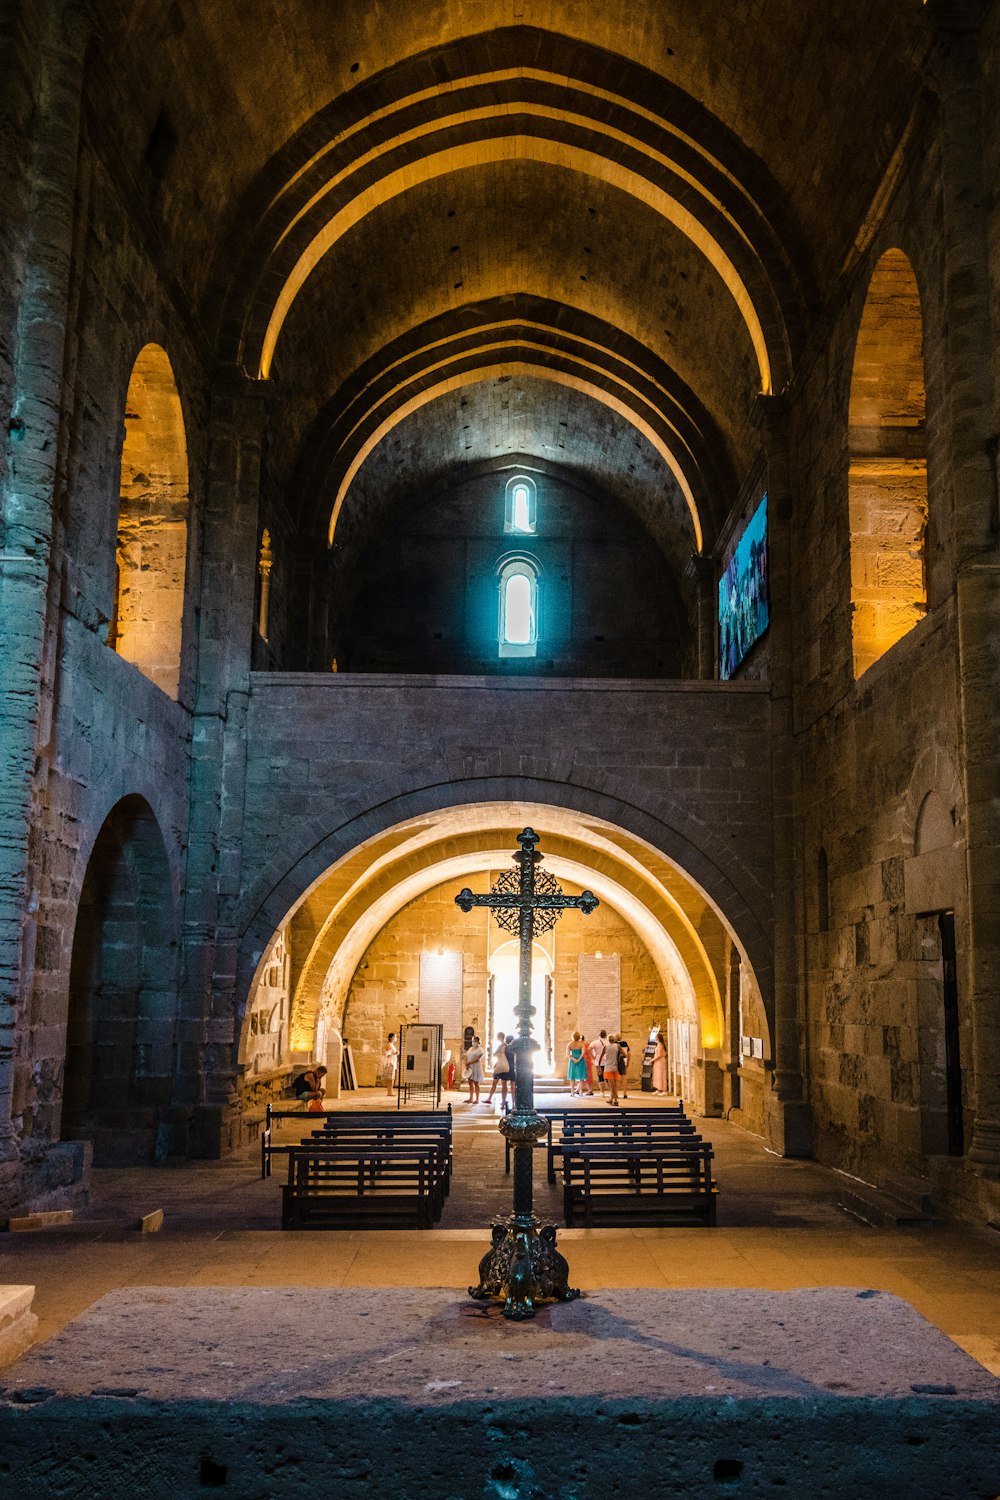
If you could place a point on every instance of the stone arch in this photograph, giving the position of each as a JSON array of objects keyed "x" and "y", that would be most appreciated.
[
  {"x": 557, "y": 333},
  {"x": 120, "y": 1039},
  {"x": 151, "y": 549},
  {"x": 280, "y": 894},
  {"x": 887, "y": 486}
]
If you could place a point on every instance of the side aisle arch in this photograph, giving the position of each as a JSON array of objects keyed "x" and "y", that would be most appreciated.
[{"x": 120, "y": 1032}]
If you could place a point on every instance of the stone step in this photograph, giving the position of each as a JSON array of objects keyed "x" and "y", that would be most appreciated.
[{"x": 897, "y": 1205}]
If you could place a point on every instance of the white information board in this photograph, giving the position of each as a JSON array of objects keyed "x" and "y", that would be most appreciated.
[
  {"x": 419, "y": 1060},
  {"x": 600, "y": 994},
  {"x": 441, "y": 991}
]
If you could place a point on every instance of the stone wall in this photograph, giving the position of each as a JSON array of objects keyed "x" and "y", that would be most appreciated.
[
  {"x": 869, "y": 749},
  {"x": 427, "y": 591},
  {"x": 332, "y": 760},
  {"x": 104, "y": 732}
]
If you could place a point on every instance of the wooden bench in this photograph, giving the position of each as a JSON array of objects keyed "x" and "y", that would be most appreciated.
[
  {"x": 387, "y": 1137},
  {"x": 668, "y": 1184},
  {"x": 559, "y": 1117},
  {"x": 342, "y": 1120},
  {"x": 332, "y": 1187},
  {"x": 620, "y": 1133}
]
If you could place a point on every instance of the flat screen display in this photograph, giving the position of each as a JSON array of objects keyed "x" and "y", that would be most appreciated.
[{"x": 743, "y": 614}]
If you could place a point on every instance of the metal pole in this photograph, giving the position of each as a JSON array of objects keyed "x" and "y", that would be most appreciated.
[{"x": 524, "y": 1076}]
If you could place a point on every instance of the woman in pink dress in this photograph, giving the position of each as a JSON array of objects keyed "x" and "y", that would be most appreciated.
[{"x": 660, "y": 1066}]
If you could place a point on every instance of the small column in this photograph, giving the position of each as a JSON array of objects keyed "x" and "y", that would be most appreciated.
[
  {"x": 209, "y": 1024},
  {"x": 788, "y": 1125},
  {"x": 702, "y": 570},
  {"x": 969, "y": 381}
]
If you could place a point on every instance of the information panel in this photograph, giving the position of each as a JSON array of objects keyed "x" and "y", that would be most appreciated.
[
  {"x": 441, "y": 991},
  {"x": 600, "y": 994}
]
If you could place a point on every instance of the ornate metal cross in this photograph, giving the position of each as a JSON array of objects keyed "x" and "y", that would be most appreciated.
[{"x": 524, "y": 1263}]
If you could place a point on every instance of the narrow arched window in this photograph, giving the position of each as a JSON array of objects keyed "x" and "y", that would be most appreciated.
[
  {"x": 887, "y": 485},
  {"x": 521, "y": 506},
  {"x": 519, "y": 608},
  {"x": 517, "y": 611},
  {"x": 147, "y": 612}
]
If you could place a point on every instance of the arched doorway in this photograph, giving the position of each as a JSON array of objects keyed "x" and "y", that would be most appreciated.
[
  {"x": 120, "y": 1031},
  {"x": 504, "y": 986}
]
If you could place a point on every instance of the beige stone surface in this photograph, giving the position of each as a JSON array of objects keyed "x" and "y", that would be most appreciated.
[{"x": 18, "y": 1324}]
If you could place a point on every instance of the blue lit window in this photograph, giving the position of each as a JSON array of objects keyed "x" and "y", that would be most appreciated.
[
  {"x": 519, "y": 608},
  {"x": 520, "y": 508}
]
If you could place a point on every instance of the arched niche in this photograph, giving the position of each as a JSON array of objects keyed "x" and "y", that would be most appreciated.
[
  {"x": 935, "y": 828},
  {"x": 887, "y": 493},
  {"x": 120, "y": 1033},
  {"x": 151, "y": 547}
]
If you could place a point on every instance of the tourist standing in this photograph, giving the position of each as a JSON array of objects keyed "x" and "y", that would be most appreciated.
[
  {"x": 611, "y": 1069},
  {"x": 624, "y": 1052},
  {"x": 501, "y": 1070},
  {"x": 474, "y": 1069},
  {"x": 576, "y": 1071},
  {"x": 390, "y": 1057},
  {"x": 588, "y": 1062},
  {"x": 597, "y": 1049},
  {"x": 660, "y": 1065}
]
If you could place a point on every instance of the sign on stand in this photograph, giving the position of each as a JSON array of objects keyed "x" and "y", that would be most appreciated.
[{"x": 419, "y": 1075}]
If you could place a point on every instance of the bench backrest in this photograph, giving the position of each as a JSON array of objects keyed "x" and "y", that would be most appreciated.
[
  {"x": 361, "y": 1171},
  {"x": 655, "y": 1171}
]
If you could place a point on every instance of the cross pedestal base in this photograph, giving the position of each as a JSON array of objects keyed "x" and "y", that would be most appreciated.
[{"x": 523, "y": 1266}]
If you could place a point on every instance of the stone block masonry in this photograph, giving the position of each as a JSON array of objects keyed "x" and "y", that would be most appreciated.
[
  {"x": 690, "y": 758},
  {"x": 827, "y": 1393}
]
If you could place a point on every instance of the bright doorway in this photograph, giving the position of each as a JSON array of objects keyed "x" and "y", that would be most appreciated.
[{"x": 502, "y": 1005}]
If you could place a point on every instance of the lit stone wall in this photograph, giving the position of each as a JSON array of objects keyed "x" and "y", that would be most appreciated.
[
  {"x": 384, "y": 993},
  {"x": 867, "y": 753}
]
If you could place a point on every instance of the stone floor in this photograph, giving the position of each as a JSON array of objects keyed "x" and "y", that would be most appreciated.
[{"x": 779, "y": 1228}]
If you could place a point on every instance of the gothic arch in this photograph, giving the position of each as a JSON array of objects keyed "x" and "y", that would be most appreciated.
[{"x": 151, "y": 548}]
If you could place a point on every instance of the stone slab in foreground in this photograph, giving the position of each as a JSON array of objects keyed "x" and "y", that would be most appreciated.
[
  {"x": 18, "y": 1323},
  {"x": 168, "y": 1391}
]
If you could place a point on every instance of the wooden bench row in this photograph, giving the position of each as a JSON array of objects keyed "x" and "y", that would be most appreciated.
[
  {"x": 376, "y": 1126},
  {"x": 622, "y": 1122},
  {"x": 657, "y": 1186},
  {"x": 352, "y": 1187},
  {"x": 364, "y": 1169}
]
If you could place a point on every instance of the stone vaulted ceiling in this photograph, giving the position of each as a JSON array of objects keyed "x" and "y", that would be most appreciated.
[{"x": 584, "y": 233}]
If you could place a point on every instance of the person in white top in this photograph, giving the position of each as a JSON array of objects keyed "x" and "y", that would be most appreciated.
[{"x": 598, "y": 1047}]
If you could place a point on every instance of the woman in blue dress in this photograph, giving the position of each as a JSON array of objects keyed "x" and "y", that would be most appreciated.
[{"x": 577, "y": 1070}]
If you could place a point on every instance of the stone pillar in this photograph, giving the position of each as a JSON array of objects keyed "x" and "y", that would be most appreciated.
[
  {"x": 701, "y": 570},
  {"x": 48, "y": 40},
  {"x": 734, "y": 1057},
  {"x": 208, "y": 1028},
  {"x": 788, "y": 1125},
  {"x": 968, "y": 380}
]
